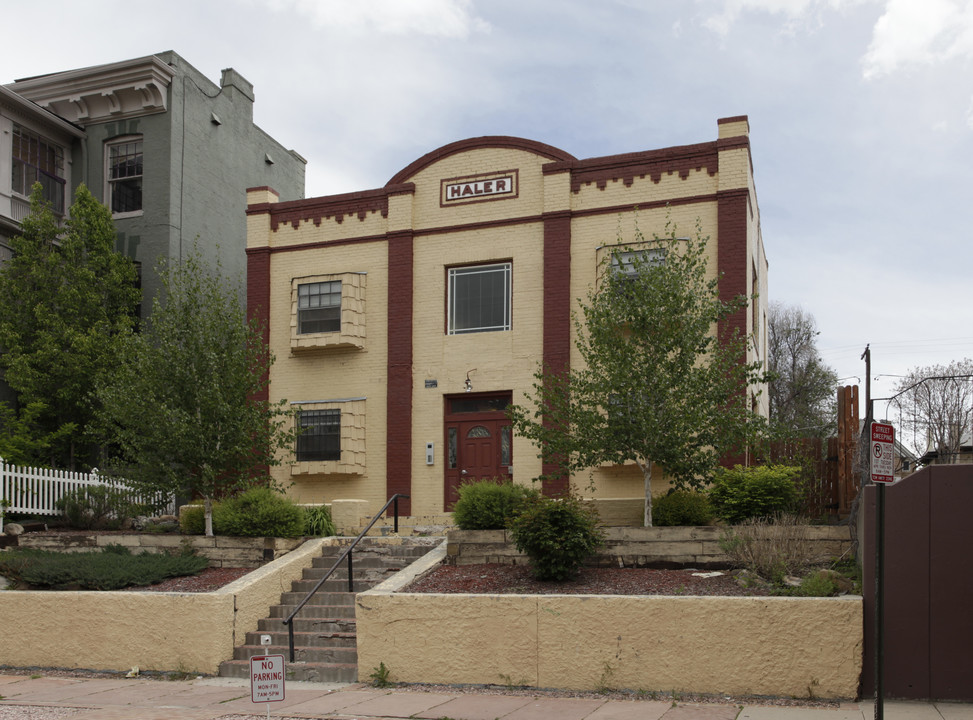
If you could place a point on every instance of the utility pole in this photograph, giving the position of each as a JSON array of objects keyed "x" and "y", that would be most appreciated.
[{"x": 879, "y": 552}]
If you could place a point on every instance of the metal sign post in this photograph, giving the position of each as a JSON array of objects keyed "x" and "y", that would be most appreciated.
[
  {"x": 881, "y": 455},
  {"x": 266, "y": 676}
]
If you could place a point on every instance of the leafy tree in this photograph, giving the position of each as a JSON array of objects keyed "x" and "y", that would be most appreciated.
[
  {"x": 802, "y": 389},
  {"x": 181, "y": 407},
  {"x": 936, "y": 404},
  {"x": 67, "y": 300},
  {"x": 661, "y": 381}
]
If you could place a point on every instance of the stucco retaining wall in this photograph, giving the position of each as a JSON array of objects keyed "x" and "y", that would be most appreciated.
[
  {"x": 221, "y": 551},
  {"x": 767, "y": 646},
  {"x": 636, "y": 547},
  {"x": 155, "y": 631}
]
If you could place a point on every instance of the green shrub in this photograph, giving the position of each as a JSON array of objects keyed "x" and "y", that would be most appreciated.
[
  {"x": 558, "y": 535},
  {"x": 258, "y": 512},
  {"x": 110, "y": 569},
  {"x": 489, "y": 505},
  {"x": 96, "y": 507},
  {"x": 754, "y": 492},
  {"x": 682, "y": 507},
  {"x": 318, "y": 522},
  {"x": 192, "y": 519}
]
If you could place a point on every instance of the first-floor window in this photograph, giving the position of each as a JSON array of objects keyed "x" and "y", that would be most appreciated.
[
  {"x": 319, "y": 307},
  {"x": 320, "y": 435},
  {"x": 479, "y": 298},
  {"x": 124, "y": 174}
]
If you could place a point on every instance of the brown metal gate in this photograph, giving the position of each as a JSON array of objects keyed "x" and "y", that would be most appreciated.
[{"x": 928, "y": 585}]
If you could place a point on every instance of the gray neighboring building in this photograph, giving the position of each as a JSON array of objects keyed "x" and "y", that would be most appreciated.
[{"x": 170, "y": 152}]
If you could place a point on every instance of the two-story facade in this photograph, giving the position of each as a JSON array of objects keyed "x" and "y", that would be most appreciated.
[
  {"x": 167, "y": 150},
  {"x": 404, "y": 319}
]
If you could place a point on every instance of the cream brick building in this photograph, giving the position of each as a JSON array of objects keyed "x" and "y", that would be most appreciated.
[{"x": 404, "y": 319}]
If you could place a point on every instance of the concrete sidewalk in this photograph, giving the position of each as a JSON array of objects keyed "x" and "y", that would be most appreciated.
[{"x": 50, "y": 698}]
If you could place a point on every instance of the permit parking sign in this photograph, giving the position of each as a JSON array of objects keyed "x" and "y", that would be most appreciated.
[
  {"x": 881, "y": 452},
  {"x": 267, "y": 678}
]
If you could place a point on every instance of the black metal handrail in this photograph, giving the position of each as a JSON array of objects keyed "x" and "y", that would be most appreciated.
[{"x": 289, "y": 622}]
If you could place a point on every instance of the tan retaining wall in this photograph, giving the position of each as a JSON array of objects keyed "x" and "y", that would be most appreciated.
[
  {"x": 767, "y": 646},
  {"x": 221, "y": 551},
  {"x": 636, "y": 547},
  {"x": 155, "y": 631}
]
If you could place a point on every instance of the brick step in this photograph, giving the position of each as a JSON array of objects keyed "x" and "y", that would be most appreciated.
[
  {"x": 321, "y": 597},
  {"x": 313, "y": 610},
  {"x": 310, "y": 672},
  {"x": 333, "y": 627},
  {"x": 368, "y": 562},
  {"x": 333, "y": 585},
  {"x": 302, "y": 653}
]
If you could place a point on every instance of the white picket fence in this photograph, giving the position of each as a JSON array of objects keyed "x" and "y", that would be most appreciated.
[{"x": 35, "y": 491}]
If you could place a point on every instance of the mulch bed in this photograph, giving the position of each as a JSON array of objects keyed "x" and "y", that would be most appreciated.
[{"x": 517, "y": 579}]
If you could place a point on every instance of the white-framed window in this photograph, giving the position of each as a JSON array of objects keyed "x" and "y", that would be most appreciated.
[
  {"x": 479, "y": 298},
  {"x": 331, "y": 437},
  {"x": 37, "y": 159},
  {"x": 629, "y": 262},
  {"x": 123, "y": 175},
  {"x": 319, "y": 307},
  {"x": 328, "y": 311}
]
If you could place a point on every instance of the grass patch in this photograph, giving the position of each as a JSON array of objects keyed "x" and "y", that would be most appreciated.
[{"x": 112, "y": 568}]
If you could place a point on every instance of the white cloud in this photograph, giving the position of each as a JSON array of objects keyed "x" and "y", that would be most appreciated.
[
  {"x": 792, "y": 10},
  {"x": 437, "y": 18},
  {"x": 927, "y": 33}
]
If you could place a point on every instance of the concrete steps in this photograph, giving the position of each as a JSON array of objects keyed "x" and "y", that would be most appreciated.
[{"x": 325, "y": 647}]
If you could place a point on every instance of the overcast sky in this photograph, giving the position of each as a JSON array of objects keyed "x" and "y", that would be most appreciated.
[{"x": 861, "y": 117}]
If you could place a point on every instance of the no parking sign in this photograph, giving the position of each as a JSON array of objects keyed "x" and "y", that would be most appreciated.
[{"x": 882, "y": 452}]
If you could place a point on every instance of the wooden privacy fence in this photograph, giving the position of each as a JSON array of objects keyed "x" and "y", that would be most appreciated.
[
  {"x": 827, "y": 490},
  {"x": 36, "y": 491}
]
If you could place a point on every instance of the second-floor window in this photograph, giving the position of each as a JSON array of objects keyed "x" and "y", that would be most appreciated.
[
  {"x": 124, "y": 175},
  {"x": 36, "y": 159},
  {"x": 319, "y": 307},
  {"x": 479, "y": 298}
]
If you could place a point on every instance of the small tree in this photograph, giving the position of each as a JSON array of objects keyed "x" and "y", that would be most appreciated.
[
  {"x": 661, "y": 380},
  {"x": 67, "y": 300},
  {"x": 802, "y": 387},
  {"x": 181, "y": 407}
]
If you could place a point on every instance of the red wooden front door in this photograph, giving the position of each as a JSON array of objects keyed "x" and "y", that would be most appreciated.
[{"x": 478, "y": 443}]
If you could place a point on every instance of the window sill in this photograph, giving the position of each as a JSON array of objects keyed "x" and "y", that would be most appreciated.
[
  {"x": 124, "y": 215},
  {"x": 326, "y": 467},
  {"x": 325, "y": 341}
]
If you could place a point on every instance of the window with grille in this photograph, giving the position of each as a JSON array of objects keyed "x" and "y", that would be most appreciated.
[
  {"x": 124, "y": 175},
  {"x": 479, "y": 298},
  {"x": 36, "y": 159},
  {"x": 320, "y": 435}
]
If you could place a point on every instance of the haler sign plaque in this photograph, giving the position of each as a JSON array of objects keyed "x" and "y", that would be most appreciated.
[{"x": 881, "y": 452}]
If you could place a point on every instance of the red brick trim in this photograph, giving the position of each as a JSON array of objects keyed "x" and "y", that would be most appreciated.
[
  {"x": 733, "y": 217},
  {"x": 258, "y": 299},
  {"x": 557, "y": 314},
  {"x": 398, "y": 430},
  {"x": 337, "y": 207},
  {"x": 479, "y": 143},
  {"x": 734, "y": 119},
  {"x": 681, "y": 159}
]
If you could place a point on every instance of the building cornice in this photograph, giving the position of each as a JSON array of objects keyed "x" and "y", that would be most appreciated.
[{"x": 102, "y": 93}]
